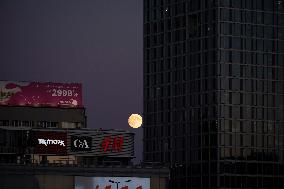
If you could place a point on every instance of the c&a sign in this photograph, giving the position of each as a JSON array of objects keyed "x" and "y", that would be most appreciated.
[{"x": 81, "y": 143}]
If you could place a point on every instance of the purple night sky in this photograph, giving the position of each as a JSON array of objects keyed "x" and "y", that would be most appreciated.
[{"x": 98, "y": 43}]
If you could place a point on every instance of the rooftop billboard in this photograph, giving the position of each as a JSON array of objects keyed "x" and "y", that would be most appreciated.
[
  {"x": 40, "y": 94},
  {"x": 111, "y": 183}
]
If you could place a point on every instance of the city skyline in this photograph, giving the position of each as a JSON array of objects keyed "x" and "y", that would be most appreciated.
[{"x": 211, "y": 94}]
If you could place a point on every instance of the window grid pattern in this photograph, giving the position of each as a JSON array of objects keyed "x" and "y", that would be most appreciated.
[{"x": 213, "y": 91}]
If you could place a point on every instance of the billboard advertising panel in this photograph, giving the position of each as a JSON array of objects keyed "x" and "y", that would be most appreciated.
[
  {"x": 111, "y": 183},
  {"x": 50, "y": 142},
  {"x": 40, "y": 94}
]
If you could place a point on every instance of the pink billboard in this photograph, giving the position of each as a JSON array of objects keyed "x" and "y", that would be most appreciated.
[{"x": 40, "y": 94}]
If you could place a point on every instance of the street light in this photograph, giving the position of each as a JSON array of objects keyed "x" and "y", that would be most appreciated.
[{"x": 114, "y": 182}]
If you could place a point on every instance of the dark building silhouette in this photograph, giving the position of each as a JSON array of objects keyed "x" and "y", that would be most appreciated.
[{"x": 214, "y": 91}]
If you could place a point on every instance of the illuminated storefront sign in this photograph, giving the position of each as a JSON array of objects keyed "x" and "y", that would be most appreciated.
[
  {"x": 112, "y": 183},
  {"x": 113, "y": 144},
  {"x": 81, "y": 143},
  {"x": 72, "y": 142},
  {"x": 101, "y": 144},
  {"x": 50, "y": 142}
]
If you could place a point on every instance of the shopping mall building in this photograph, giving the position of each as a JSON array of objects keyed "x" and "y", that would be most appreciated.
[{"x": 44, "y": 143}]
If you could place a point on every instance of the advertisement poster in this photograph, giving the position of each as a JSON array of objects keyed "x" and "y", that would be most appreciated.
[
  {"x": 40, "y": 94},
  {"x": 50, "y": 142},
  {"x": 112, "y": 183}
]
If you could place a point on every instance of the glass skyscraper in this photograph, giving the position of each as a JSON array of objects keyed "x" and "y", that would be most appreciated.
[{"x": 214, "y": 92}]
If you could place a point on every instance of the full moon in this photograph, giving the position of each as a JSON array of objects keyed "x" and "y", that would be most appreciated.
[{"x": 135, "y": 121}]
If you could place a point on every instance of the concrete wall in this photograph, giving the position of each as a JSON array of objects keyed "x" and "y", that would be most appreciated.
[
  {"x": 42, "y": 114},
  {"x": 36, "y": 182},
  {"x": 19, "y": 182},
  {"x": 55, "y": 181},
  {"x": 158, "y": 182}
]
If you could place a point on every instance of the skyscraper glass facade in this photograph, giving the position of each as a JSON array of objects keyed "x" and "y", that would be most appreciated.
[{"x": 214, "y": 91}]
